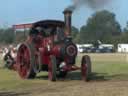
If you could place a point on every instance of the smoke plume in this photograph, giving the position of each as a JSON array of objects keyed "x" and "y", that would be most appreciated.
[{"x": 94, "y": 4}]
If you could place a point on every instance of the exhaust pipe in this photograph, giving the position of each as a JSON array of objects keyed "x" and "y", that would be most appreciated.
[{"x": 68, "y": 22}]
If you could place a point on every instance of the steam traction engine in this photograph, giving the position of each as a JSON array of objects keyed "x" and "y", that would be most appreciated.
[{"x": 49, "y": 47}]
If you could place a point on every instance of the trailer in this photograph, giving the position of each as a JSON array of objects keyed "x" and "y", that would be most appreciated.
[{"x": 122, "y": 48}]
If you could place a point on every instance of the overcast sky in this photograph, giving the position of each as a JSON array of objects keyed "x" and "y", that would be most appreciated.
[{"x": 28, "y": 11}]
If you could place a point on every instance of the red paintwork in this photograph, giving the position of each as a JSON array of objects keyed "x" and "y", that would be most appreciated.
[
  {"x": 42, "y": 48},
  {"x": 46, "y": 47},
  {"x": 22, "y": 26},
  {"x": 71, "y": 68}
]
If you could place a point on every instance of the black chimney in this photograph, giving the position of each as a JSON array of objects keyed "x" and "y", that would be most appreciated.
[{"x": 68, "y": 21}]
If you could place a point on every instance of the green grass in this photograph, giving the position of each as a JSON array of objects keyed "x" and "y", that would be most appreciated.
[
  {"x": 104, "y": 67},
  {"x": 108, "y": 66},
  {"x": 9, "y": 80},
  {"x": 111, "y": 71}
]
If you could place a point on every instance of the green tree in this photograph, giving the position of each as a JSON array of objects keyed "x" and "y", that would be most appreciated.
[
  {"x": 9, "y": 35},
  {"x": 124, "y": 35},
  {"x": 1, "y": 35},
  {"x": 74, "y": 34},
  {"x": 6, "y": 35},
  {"x": 101, "y": 26},
  {"x": 126, "y": 28}
]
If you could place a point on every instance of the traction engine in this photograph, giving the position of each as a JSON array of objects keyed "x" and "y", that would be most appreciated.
[{"x": 49, "y": 47}]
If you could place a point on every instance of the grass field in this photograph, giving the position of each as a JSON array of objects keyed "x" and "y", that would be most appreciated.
[
  {"x": 109, "y": 66},
  {"x": 109, "y": 78}
]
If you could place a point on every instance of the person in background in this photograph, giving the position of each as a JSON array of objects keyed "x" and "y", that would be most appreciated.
[{"x": 9, "y": 57}]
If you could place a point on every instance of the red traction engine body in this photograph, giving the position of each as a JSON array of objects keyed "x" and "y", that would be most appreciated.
[{"x": 49, "y": 47}]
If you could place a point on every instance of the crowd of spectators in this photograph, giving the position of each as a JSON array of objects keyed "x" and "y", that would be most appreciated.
[{"x": 8, "y": 55}]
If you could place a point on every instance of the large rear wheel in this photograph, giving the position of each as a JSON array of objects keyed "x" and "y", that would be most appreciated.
[
  {"x": 25, "y": 60},
  {"x": 86, "y": 68}
]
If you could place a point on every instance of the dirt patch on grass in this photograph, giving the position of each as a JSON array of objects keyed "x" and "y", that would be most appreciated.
[{"x": 79, "y": 88}]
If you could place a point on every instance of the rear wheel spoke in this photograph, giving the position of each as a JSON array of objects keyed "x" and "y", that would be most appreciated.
[{"x": 24, "y": 55}]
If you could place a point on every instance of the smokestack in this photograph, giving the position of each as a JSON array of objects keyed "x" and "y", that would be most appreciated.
[{"x": 68, "y": 21}]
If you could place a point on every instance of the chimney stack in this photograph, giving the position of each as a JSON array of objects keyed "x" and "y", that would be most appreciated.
[{"x": 68, "y": 21}]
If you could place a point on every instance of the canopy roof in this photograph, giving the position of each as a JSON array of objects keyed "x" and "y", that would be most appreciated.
[{"x": 49, "y": 23}]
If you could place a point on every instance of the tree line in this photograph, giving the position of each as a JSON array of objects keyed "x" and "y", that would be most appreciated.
[
  {"x": 7, "y": 35},
  {"x": 102, "y": 25}
]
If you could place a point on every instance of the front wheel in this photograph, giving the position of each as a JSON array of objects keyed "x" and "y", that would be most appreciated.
[
  {"x": 52, "y": 68},
  {"x": 86, "y": 68}
]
